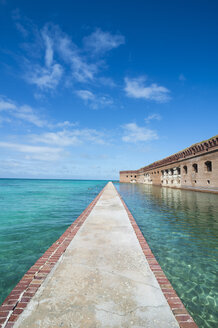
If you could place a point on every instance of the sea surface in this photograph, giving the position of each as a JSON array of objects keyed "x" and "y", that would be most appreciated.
[
  {"x": 33, "y": 215},
  {"x": 180, "y": 226}
]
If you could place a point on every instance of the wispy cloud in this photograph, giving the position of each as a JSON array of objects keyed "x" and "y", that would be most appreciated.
[
  {"x": 6, "y": 104},
  {"x": 27, "y": 114},
  {"x": 52, "y": 55},
  {"x": 85, "y": 94},
  {"x": 64, "y": 124},
  {"x": 34, "y": 152},
  {"x": 137, "y": 88},
  {"x": 82, "y": 69},
  {"x": 24, "y": 112},
  {"x": 95, "y": 102},
  {"x": 134, "y": 133},
  {"x": 100, "y": 42},
  {"x": 67, "y": 138},
  {"x": 45, "y": 77},
  {"x": 151, "y": 117}
]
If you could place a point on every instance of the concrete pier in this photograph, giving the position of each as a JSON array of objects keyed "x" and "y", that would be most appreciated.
[
  {"x": 100, "y": 273},
  {"x": 102, "y": 280}
]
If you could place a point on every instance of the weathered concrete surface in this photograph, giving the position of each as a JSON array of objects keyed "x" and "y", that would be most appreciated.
[{"x": 102, "y": 280}]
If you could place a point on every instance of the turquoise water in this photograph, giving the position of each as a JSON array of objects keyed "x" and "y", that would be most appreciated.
[
  {"x": 181, "y": 228},
  {"x": 33, "y": 214}
]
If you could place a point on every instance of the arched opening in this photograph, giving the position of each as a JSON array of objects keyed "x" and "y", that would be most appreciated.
[
  {"x": 185, "y": 169},
  {"x": 195, "y": 168},
  {"x": 208, "y": 166}
]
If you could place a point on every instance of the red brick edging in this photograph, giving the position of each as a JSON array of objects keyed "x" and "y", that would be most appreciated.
[
  {"x": 20, "y": 296},
  {"x": 181, "y": 314}
]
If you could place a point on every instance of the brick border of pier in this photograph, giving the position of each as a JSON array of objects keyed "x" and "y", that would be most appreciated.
[
  {"x": 20, "y": 296},
  {"x": 184, "y": 319}
]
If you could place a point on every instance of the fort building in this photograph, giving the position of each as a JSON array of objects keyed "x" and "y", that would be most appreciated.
[{"x": 195, "y": 167}]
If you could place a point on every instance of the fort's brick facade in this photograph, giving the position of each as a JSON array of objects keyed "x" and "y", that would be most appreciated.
[{"x": 193, "y": 168}]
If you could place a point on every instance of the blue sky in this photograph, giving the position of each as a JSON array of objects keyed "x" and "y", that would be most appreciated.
[{"x": 89, "y": 88}]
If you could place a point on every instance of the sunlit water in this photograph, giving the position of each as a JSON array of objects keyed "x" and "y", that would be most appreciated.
[
  {"x": 181, "y": 228},
  {"x": 33, "y": 214}
]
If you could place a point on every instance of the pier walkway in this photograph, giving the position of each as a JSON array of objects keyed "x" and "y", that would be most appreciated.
[{"x": 102, "y": 279}]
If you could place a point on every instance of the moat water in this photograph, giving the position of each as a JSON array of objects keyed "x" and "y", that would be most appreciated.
[{"x": 181, "y": 228}]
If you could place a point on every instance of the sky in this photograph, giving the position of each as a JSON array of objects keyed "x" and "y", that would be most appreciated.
[{"x": 89, "y": 88}]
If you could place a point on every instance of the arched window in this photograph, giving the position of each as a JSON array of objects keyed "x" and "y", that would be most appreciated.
[
  {"x": 208, "y": 166},
  {"x": 127, "y": 176},
  {"x": 185, "y": 169},
  {"x": 195, "y": 168}
]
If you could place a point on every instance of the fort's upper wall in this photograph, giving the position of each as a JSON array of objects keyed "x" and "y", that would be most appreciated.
[{"x": 195, "y": 167}]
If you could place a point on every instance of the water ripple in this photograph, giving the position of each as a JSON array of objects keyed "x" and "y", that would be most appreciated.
[{"x": 181, "y": 228}]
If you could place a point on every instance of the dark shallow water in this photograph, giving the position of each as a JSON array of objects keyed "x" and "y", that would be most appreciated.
[
  {"x": 33, "y": 214},
  {"x": 181, "y": 228}
]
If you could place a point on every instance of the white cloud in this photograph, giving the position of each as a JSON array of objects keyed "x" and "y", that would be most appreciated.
[
  {"x": 6, "y": 105},
  {"x": 152, "y": 117},
  {"x": 48, "y": 48},
  {"x": 24, "y": 112},
  {"x": 53, "y": 54},
  {"x": 136, "y": 88},
  {"x": 100, "y": 42},
  {"x": 64, "y": 124},
  {"x": 67, "y": 138},
  {"x": 85, "y": 94},
  {"x": 34, "y": 152},
  {"x": 81, "y": 70},
  {"x": 95, "y": 102},
  {"x": 4, "y": 119},
  {"x": 45, "y": 77},
  {"x": 134, "y": 133},
  {"x": 28, "y": 114}
]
